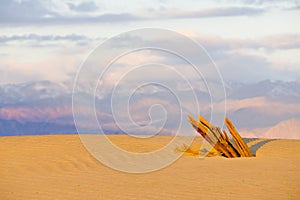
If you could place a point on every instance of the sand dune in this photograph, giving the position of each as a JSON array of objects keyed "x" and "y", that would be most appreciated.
[
  {"x": 59, "y": 167},
  {"x": 291, "y": 129}
]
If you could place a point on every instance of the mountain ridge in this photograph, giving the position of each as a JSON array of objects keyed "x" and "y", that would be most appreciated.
[{"x": 46, "y": 104}]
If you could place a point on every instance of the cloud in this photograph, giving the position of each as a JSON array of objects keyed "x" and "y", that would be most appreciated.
[
  {"x": 39, "y": 38},
  {"x": 253, "y": 59},
  {"x": 230, "y": 55},
  {"x": 46, "y": 12},
  {"x": 55, "y": 68},
  {"x": 60, "y": 20},
  {"x": 279, "y": 41},
  {"x": 296, "y": 7},
  {"x": 279, "y": 5},
  {"x": 84, "y": 6},
  {"x": 229, "y": 11},
  {"x": 262, "y": 2},
  {"x": 23, "y": 11},
  {"x": 218, "y": 12},
  {"x": 245, "y": 68},
  {"x": 242, "y": 56},
  {"x": 284, "y": 41}
]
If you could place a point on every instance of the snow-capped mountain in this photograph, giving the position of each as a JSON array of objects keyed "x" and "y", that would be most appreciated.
[
  {"x": 31, "y": 92},
  {"x": 267, "y": 88},
  {"x": 45, "y": 107}
]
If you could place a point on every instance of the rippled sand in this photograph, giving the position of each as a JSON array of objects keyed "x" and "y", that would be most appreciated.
[{"x": 59, "y": 167}]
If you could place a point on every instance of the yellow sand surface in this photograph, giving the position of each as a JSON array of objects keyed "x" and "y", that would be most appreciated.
[{"x": 59, "y": 167}]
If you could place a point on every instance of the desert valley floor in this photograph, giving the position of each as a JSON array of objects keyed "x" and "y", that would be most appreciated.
[{"x": 59, "y": 167}]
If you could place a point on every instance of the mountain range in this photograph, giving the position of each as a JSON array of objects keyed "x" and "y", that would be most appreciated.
[{"x": 263, "y": 109}]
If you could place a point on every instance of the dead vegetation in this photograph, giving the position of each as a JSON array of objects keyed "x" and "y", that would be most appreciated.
[{"x": 221, "y": 142}]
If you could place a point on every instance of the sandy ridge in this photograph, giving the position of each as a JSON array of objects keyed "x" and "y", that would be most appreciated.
[{"x": 59, "y": 167}]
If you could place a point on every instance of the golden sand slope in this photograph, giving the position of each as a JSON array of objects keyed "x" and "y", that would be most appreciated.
[{"x": 59, "y": 167}]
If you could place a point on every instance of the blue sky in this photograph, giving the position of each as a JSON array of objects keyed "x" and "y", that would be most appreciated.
[{"x": 248, "y": 40}]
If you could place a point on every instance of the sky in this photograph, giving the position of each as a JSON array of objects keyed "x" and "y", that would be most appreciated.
[{"x": 249, "y": 41}]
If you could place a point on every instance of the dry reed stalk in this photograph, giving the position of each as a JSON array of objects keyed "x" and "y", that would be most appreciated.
[
  {"x": 238, "y": 139},
  {"x": 220, "y": 140}
]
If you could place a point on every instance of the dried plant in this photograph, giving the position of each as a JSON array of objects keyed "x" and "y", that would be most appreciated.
[{"x": 220, "y": 139}]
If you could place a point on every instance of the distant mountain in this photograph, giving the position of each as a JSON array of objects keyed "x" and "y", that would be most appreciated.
[
  {"x": 13, "y": 127},
  {"x": 32, "y": 92},
  {"x": 288, "y": 129},
  {"x": 35, "y": 108},
  {"x": 270, "y": 89},
  {"x": 45, "y": 107}
]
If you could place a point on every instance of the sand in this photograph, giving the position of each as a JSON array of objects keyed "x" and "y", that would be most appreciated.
[{"x": 59, "y": 167}]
